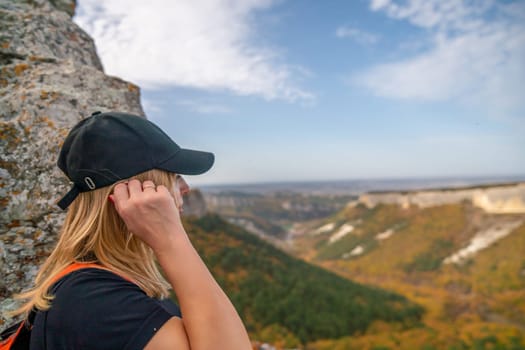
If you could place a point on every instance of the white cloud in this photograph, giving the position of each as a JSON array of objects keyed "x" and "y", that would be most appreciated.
[
  {"x": 204, "y": 44},
  {"x": 378, "y": 4},
  {"x": 476, "y": 55},
  {"x": 435, "y": 13},
  {"x": 204, "y": 107},
  {"x": 358, "y": 35},
  {"x": 151, "y": 106}
]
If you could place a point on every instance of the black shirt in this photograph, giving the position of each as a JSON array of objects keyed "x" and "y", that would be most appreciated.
[{"x": 96, "y": 309}]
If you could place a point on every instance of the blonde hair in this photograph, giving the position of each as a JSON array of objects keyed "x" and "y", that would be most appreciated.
[{"x": 94, "y": 232}]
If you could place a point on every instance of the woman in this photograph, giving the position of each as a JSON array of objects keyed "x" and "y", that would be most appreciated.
[{"x": 124, "y": 216}]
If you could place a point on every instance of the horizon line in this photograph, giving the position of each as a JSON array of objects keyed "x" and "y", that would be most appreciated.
[{"x": 495, "y": 178}]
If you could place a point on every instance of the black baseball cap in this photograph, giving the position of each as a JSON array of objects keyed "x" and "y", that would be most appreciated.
[{"x": 107, "y": 147}]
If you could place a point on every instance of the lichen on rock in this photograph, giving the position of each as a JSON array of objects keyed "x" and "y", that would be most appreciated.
[{"x": 50, "y": 78}]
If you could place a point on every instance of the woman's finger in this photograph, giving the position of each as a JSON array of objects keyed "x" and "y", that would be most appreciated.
[
  {"x": 148, "y": 185},
  {"x": 120, "y": 192},
  {"x": 134, "y": 187},
  {"x": 163, "y": 189}
]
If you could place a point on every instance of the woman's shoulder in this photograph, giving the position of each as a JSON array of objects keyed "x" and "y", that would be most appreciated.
[
  {"x": 96, "y": 288},
  {"x": 91, "y": 304},
  {"x": 93, "y": 291}
]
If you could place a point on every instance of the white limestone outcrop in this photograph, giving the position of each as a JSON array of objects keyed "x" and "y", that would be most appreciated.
[{"x": 497, "y": 199}]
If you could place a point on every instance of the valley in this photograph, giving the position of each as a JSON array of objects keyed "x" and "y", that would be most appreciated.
[{"x": 458, "y": 253}]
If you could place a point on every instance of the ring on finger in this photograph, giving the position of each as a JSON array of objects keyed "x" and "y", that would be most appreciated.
[{"x": 149, "y": 186}]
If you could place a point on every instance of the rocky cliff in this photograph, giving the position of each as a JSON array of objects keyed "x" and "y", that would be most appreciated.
[
  {"x": 497, "y": 199},
  {"x": 194, "y": 204},
  {"x": 50, "y": 78}
]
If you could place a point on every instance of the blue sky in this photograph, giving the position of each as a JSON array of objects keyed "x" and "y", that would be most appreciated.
[{"x": 325, "y": 90}]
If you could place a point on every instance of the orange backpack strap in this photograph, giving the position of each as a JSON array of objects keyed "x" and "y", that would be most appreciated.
[
  {"x": 79, "y": 266},
  {"x": 8, "y": 343}
]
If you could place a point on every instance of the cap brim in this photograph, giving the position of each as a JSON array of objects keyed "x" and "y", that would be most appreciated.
[{"x": 188, "y": 162}]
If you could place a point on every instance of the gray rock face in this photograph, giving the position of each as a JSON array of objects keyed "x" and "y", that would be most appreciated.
[
  {"x": 194, "y": 204},
  {"x": 50, "y": 78},
  {"x": 42, "y": 30}
]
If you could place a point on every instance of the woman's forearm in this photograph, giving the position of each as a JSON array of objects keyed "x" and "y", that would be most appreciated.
[{"x": 209, "y": 317}]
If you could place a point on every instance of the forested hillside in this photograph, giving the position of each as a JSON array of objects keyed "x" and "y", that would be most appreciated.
[
  {"x": 465, "y": 266},
  {"x": 286, "y": 301}
]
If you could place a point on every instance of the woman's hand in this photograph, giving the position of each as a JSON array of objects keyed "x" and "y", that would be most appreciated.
[
  {"x": 150, "y": 212},
  {"x": 210, "y": 320}
]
